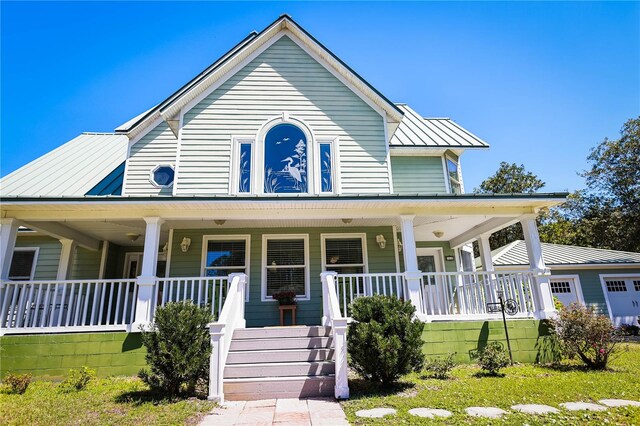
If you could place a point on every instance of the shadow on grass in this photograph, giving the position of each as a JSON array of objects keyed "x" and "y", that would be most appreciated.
[
  {"x": 361, "y": 388},
  {"x": 137, "y": 398},
  {"x": 482, "y": 374}
]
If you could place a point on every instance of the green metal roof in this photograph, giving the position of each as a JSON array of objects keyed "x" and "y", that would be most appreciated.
[{"x": 515, "y": 254}]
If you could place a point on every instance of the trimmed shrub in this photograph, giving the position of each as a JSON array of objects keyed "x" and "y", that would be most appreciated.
[
  {"x": 440, "y": 368},
  {"x": 77, "y": 380},
  {"x": 384, "y": 342},
  {"x": 629, "y": 330},
  {"x": 178, "y": 348},
  {"x": 493, "y": 358},
  {"x": 585, "y": 334},
  {"x": 17, "y": 383}
]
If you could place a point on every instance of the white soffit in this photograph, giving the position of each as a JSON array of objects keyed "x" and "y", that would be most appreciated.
[
  {"x": 73, "y": 168},
  {"x": 416, "y": 131}
]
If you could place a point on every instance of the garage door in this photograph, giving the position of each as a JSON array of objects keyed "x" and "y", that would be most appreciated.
[
  {"x": 566, "y": 290},
  {"x": 623, "y": 298}
]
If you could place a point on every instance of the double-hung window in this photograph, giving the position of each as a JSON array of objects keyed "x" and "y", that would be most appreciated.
[
  {"x": 224, "y": 255},
  {"x": 285, "y": 265},
  {"x": 23, "y": 264},
  {"x": 344, "y": 254}
]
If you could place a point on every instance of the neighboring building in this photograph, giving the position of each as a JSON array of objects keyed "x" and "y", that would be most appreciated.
[
  {"x": 275, "y": 164},
  {"x": 609, "y": 280}
]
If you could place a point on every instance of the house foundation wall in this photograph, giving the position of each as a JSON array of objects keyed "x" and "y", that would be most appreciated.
[
  {"x": 50, "y": 356},
  {"x": 530, "y": 339}
]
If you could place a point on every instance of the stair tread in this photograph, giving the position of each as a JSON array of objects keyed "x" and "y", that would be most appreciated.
[
  {"x": 278, "y": 378},
  {"x": 257, "y": 351},
  {"x": 266, "y": 364}
]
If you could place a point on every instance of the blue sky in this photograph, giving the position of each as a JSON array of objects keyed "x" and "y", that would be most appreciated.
[{"x": 541, "y": 82}]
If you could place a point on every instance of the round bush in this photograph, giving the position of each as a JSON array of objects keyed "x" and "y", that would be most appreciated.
[{"x": 384, "y": 341}]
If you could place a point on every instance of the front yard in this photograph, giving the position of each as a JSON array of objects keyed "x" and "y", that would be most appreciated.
[
  {"x": 111, "y": 401},
  {"x": 523, "y": 384}
]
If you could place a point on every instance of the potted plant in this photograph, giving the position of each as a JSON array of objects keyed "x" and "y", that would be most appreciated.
[{"x": 285, "y": 298}]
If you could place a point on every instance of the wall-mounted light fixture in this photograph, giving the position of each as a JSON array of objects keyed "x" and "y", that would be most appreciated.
[
  {"x": 219, "y": 222},
  {"x": 399, "y": 246},
  {"x": 185, "y": 244},
  {"x": 165, "y": 249},
  {"x": 132, "y": 236},
  {"x": 382, "y": 243},
  {"x": 347, "y": 220},
  {"x": 438, "y": 234}
]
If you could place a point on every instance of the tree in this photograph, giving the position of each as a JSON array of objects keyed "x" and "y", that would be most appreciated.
[{"x": 509, "y": 179}]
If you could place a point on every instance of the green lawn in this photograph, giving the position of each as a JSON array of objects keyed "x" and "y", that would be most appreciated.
[
  {"x": 111, "y": 401},
  {"x": 522, "y": 384}
]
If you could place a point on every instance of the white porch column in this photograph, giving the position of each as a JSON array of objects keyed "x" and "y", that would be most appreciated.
[
  {"x": 147, "y": 280},
  {"x": 8, "y": 236},
  {"x": 542, "y": 290},
  {"x": 412, "y": 274},
  {"x": 485, "y": 252},
  {"x": 341, "y": 389},
  {"x": 66, "y": 258}
]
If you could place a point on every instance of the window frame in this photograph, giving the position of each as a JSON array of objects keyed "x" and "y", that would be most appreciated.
[
  {"x": 234, "y": 169},
  {"x": 155, "y": 169},
  {"x": 36, "y": 251},
  {"x": 345, "y": 236},
  {"x": 232, "y": 237},
  {"x": 264, "y": 266},
  {"x": 334, "y": 142},
  {"x": 450, "y": 180}
]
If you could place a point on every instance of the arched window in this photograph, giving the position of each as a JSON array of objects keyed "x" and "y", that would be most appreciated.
[{"x": 285, "y": 160}]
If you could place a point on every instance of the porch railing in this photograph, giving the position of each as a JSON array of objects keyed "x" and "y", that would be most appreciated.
[
  {"x": 351, "y": 286},
  {"x": 73, "y": 305},
  {"x": 202, "y": 291},
  {"x": 457, "y": 295},
  {"x": 444, "y": 295}
]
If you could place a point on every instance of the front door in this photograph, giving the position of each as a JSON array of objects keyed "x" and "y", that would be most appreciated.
[
  {"x": 132, "y": 265},
  {"x": 566, "y": 289},
  {"x": 429, "y": 261}
]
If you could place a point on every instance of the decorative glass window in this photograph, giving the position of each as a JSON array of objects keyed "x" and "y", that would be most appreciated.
[
  {"x": 285, "y": 266},
  {"x": 285, "y": 160},
  {"x": 23, "y": 264},
  {"x": 326, "y": 167},
  {"x": 454, "y": 176},
  {"x": 224, "y": 257},
  {"x": 636, "y": 285},
  {"x": 162, "y": 176},
  {"x": 558, "y": 287},
  {"x": 616, "y": 286},
  {"x": 344, "y": 255},
  {"x": 244, "y": 173}
]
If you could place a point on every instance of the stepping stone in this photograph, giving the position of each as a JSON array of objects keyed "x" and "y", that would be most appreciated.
[
  {"x": 376, "y": 413},
  {"x": 430, "y": 413},
  {"x": 619, "y": 403},
  {"x": 490, "y": 412},
  {"x": 535, "y": 409},
  {"x": 578, "y": 406}
]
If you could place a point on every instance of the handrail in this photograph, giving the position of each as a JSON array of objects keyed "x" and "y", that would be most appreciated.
[
  {"x": 221, "y": 331},
  {"x": 333, "y": 317}
]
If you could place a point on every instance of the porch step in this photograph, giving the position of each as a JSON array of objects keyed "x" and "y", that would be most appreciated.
[
  {"x": 286, "y": 355},
  {"x": 251, "y": 389},
  {"x": 279, "y": 369},
  {"x": 279, "y": 362},
  {"x": 281, "y": 343},
  {"x": 280, "y": 332}
]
